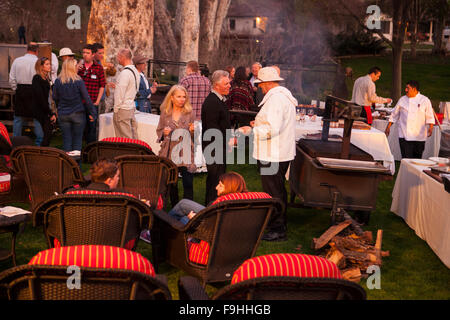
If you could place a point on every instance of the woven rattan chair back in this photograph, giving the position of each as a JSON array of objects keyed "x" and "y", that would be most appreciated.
[
  {"x": 146, "y": 176},
  {"x": 47, "y": 171},
  {"x": 292, "y": 288},
  {"x": 39, "y": 282},
  {"x": 109, "y": 150},
  {"x": 233, "y": 230},
  {"x": 79, "y": 219}
]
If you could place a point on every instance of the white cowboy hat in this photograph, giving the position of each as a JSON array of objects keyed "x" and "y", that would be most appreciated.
[
  {"x": 268, "y": 74},
  {"x": 65, "y": 52}
]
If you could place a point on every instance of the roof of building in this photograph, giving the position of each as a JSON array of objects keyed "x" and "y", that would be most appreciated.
[{"x": 245, "y": 8}]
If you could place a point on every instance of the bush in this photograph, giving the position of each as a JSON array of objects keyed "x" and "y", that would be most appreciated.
[{"x": 356, "y": 43}]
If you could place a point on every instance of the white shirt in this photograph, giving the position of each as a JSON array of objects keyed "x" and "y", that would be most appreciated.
[
  {"x": 252, "y": 80},
  {"x": 364, "y": 92},
  {"x": 126, "y": 87},
  {"x": 22, "y": 70},
  {"x": 55, "y": 65},
  {"x": 412, "y": 116},
  {"x": 274, "y": 130}
]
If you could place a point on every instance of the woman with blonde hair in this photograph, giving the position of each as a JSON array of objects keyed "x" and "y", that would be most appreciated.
[
  {"x": 69, "y": 92},
  {"x": 40, "y": 87},
  {"x": 176, "y": 129}
]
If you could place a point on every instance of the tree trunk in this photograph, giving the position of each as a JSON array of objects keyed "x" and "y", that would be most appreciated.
[
  {"x": 414, "y": 40},
  {"x": 122, "y": 24},
  {"x": 440, "y": 25},
  {"x": 188, "y": 24},
  {"x": 212, "y": 15},
  {"x": 166, "y": 46},
  {"x": 400, "y": 10}
]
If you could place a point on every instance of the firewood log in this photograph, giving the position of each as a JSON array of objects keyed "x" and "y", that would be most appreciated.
[
  {"x": 352, "y": 274},
  {"x": 329, "y": 234}
]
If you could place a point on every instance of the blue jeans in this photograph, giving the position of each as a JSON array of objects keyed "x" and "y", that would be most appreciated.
[
  {"x": 182, "y": 209},
  {"x": 72, "y": 127},
  {"x": 18, "y": 125}
]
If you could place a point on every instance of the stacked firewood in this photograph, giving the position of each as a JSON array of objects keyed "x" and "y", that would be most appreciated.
[{"x": 350, "y": 248}]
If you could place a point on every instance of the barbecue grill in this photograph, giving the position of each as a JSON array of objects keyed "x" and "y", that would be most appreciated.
[{"x": 322, "y": 167}]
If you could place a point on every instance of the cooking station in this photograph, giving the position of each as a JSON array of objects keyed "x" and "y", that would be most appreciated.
[{"x": 324, "y": 166}]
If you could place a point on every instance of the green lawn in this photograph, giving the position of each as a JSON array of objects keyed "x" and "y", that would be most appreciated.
[{"x": 412, "y": 271}]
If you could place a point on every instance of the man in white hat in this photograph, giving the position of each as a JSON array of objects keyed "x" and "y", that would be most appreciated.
[
  {"x": 65, "y": 54},
  {"x": 274, "y": 143}
]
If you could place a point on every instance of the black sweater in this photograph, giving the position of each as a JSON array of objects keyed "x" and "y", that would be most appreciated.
[
  {"x": 41, "y": 89},
  {"x": 215, "y": 115}
]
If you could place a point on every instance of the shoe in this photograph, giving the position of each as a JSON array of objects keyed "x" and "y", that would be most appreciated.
[
  {"x": 145, "y": 236},
  {"x": 274, "y": 236}
]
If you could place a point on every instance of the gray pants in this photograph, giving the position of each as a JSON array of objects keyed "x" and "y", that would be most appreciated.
[{"x": 125, "y": 124}]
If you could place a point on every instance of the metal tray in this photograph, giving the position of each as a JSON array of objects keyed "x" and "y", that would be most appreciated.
[
  {"x": 352, "y": 165},
  {"x": 440, "y": 169}
]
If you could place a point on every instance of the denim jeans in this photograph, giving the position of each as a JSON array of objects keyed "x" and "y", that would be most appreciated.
[
  {"x": 18, "y": 125},
  {"x": 72, "y": 127},
  {"x": 182, "y": 209}
]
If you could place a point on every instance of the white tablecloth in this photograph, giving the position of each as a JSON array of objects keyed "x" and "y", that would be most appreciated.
[
  {"x": 146, "y": 131},
  {"x": 431, "y": 145},
  {"x": 371, "y": 141},
  {"x": 425, "y": 206}
]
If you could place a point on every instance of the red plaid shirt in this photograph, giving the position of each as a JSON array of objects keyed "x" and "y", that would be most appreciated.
[
  {"x": 94, "y": 79},
  {"x": 198, "y": 88}
]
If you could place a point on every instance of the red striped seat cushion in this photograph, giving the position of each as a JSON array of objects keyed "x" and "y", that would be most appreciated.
[
  {"x": 5, "y": 182},
  {"x": 94, "y": 256},
  {"x": 243, "y": 196},
  {"x": 127, "y": 140},
  {"x": 159, "y": 206},
  {"x": 286, "y": 265},
  {"x": 199, "y": 252},
  {"x": 4, "y": 133},
  {"x": 86, "y": 191}
]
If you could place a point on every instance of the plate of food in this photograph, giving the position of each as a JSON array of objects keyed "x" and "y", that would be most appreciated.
[
  {"x": 423, "y": 162},
  {"x": 440, "y": 160}
]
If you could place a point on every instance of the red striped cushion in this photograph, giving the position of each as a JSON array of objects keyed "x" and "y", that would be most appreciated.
[
  {"x": 86, "y": 191},
  {"x": 287, "y": 265},
  {"x": 127, "y": 140},
  {"x": 199, "y": 252},
  {"x": 4, "y": 133},
  {"x": 94, "y": 256},
  {"x": 243, "y": 196},
  {"x": 5, "y": 182}
]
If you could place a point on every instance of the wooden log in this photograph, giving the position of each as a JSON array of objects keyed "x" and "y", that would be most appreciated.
[
  {"x": 378, "y": 245},
  {"x": 334, "y": 255},
  {"x": 351, "y": 244},
  {"x": 329, "y": 234},
  {"x": 356, "y": 227},
  {"x": 352, "y": 274},
  {"x": 355, "y": 256}
]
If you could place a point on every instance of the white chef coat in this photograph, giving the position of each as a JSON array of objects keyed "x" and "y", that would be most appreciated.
[
  {"x": 274, "y": 130},
  {"x": 412, "y": 116}
]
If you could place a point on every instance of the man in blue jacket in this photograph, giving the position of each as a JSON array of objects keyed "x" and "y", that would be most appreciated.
[{"x": 145, "y": 91}]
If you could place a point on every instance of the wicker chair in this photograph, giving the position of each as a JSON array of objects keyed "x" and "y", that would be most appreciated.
[
  {"x": 110, "y": 148},
  {"x": 147, "y": 176},
  {"x": 280, "y": 277},
  {"x": 228, "y": 232},
  {"x": 14, "y": 190},
  {"x": 107, "y": 276},
  {"x": 103, "y": 219},
  {"x": 46, "y": 170}
]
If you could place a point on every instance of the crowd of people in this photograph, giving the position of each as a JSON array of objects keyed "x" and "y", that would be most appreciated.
[{"x": 76, "y": 97}]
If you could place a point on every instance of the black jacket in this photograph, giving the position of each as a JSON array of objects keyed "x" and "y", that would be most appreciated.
[
  {"x": 215, "y": 115},
  {"x": 41, "y": 89}
]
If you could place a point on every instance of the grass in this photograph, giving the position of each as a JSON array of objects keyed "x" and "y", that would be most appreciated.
[{"x": 412, "y": 271}]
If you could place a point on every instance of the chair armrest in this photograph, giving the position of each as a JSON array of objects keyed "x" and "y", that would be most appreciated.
[
  {"x": 174, "y": 223},
  {"x": 161, "y": 278},
  {"x": 189, "y": 288}
]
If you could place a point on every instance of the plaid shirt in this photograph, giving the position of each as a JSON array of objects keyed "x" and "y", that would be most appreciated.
[
  {"x": 198, "y": 88},
  {"x": 94, "y": 79}
]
